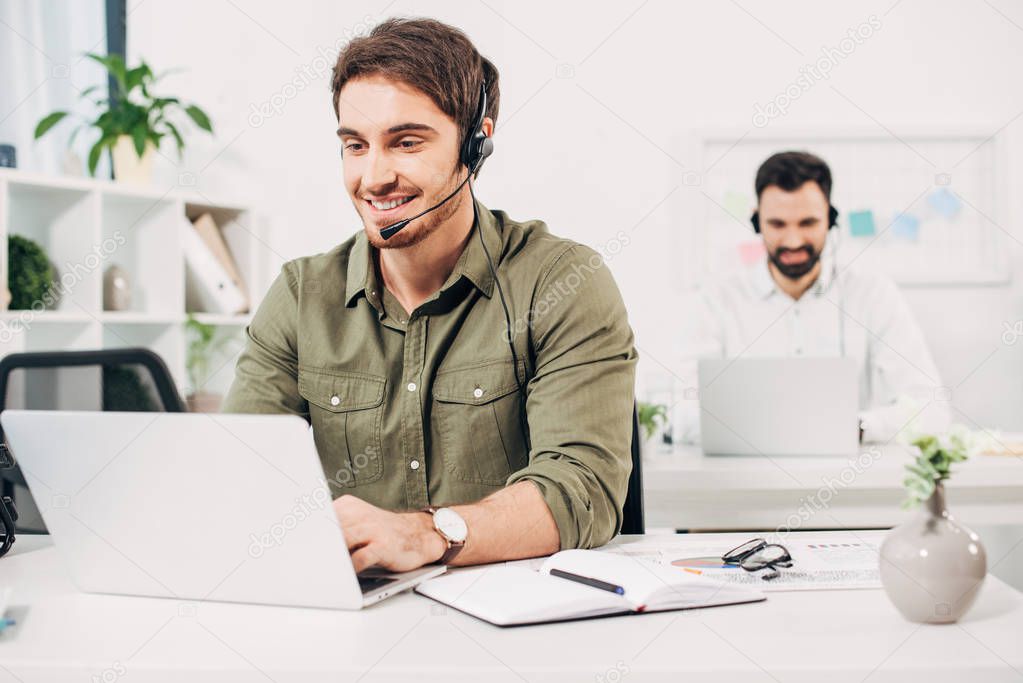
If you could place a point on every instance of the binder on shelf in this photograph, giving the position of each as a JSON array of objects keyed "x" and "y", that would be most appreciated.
[
  {"x": 214, "y": 240},
  {"x": 208, "y": 286}
]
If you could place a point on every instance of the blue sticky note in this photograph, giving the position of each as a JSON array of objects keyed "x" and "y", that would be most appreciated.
[
  {"x": 944, "y": 202},
  {"x": 861, "y": 224},
  {"x": 906, "y": 226}
]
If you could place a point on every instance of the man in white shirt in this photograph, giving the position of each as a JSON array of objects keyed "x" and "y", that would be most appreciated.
[{"x": 798, "y": 303}]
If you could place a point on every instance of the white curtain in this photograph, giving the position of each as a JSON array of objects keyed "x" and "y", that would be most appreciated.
[{"x": 42, "y": 69}]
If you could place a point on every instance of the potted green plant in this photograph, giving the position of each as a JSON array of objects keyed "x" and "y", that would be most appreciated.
[
  {"x": 652, "y": 418},
  {"x": 203, "y": 345},
  {"x": 132, "y": 122},
  {"x": 932, "y": 566},
  {"x": 30, "y": 275}
]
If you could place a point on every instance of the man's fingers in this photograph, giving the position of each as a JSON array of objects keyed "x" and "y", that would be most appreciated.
[
  {"x": 348, "y": 505},
  {"x": 356, "y": 535},
  {"x": 364, "y": 558}
]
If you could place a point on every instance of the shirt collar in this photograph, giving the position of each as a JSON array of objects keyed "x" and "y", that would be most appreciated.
[
  {"x": 362, "y": 276},
  {"x": 472, "y": 263}
]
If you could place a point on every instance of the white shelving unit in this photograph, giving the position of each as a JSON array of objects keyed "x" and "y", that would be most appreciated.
[{"x": 86, "y": 226}]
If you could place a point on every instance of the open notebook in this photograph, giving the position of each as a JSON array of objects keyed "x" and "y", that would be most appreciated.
[{"x": 508, "y": 595}]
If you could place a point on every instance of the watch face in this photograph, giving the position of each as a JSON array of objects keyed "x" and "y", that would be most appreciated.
[{"x": 451, "y": 524}]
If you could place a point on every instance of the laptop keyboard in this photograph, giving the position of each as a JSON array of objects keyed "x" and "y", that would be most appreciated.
[{"x": 369, "y": 583}]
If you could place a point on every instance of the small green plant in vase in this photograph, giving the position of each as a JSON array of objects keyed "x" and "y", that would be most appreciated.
[
  {"x": 132, "y": 121},
  {"x": 203, "y": 345},
  {"x": 932, "y": 566}
]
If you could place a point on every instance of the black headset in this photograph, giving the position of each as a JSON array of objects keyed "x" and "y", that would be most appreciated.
[
  {"x": 476, "y": 146},
  {"x": 832, "y": 219}
]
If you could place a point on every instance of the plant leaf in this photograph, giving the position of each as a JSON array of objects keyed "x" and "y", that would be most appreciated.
[
  {"x": 115, "y": 65},
  {"x": 49, "y": 122},
  {"x": 138, "y": 135},
  {"x": 177, "y": 137},
  {"x": 199, "y": 116},
  {"x": 94, "y": 153},
  {"x": 133, "y": 79}
]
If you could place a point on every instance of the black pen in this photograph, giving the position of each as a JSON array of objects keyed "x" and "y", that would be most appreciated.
[{"x": 595, "y": 583}]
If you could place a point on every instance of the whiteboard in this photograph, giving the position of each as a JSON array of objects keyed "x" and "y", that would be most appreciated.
[{"x": 924, "y": 208}]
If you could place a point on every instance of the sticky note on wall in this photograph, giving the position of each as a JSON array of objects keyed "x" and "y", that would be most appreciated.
[
  {"x": 751, "y": 251},
  {"x": 906, "y": 226},
  {"x": 945, "y": 202},
  {"x": 738, "y": 205},
  {"x": 861, "y": 224}
]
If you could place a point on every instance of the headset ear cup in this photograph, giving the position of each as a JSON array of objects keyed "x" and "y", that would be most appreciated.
[
  {"x": 832, "y": 217},
  {"x": 755, "y": 220},
  {"x": 481, "y": 148}
]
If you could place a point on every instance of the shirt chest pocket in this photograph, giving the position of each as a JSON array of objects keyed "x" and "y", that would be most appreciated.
[
  {"x": 346, "y": 412},
  {"x": 476, "y": 422}
]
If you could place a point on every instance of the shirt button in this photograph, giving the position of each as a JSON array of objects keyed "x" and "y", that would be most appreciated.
[
  {"x": 411, "y": 386},
  {"x": 799, "y": 351},
  {"x": 335, "y": 400},
  {"x": 414, "y": 464},
  {"x": 477, "y": 392}
]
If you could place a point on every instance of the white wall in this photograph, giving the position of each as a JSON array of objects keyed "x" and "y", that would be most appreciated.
[{"x": 600, "y": 103}]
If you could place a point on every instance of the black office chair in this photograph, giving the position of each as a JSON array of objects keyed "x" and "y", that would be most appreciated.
[
  {"x": 128, "y": 379},
  {"x": 632, "y": 513}
]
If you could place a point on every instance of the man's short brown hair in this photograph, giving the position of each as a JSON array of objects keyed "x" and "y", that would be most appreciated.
[{"x": 428, "y": 55}]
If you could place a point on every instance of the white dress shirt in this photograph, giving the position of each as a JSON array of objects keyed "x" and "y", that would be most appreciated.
[{"x": 861, "y": 315}]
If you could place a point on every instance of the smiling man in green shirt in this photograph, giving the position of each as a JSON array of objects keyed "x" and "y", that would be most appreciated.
[{"x": 449, "y": 428}]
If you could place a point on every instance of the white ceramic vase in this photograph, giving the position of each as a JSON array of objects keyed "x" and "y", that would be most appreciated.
[{"x": 932, "y": 567}]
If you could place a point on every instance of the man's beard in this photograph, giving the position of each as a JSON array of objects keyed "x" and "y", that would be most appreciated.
[
  {"x": 420, "y": 228},
  {"x": 794, "y": 271}
]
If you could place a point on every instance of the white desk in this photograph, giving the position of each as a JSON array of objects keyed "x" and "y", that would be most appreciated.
[
  {"x": 684, "y": 489},
  {"x": 63, "y": 635}
]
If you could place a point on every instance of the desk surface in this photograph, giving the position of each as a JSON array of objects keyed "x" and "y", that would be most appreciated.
[
  {"x": 684, "y": 489},
  {"x": 843, "y": 635}
]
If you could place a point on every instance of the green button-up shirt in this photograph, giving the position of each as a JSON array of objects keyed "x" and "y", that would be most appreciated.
[{"x": 418, "y": 409}]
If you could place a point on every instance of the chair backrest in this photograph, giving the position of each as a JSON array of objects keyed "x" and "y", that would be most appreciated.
[
  {"x": 632, "y": 514},
  {"x": 120, "y": 386}
]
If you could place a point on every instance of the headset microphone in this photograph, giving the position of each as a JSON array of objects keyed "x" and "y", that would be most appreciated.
[{"x": 393, "y": 229}]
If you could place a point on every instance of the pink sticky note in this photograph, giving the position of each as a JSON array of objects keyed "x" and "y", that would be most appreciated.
[{"x": 751, "y": 251}]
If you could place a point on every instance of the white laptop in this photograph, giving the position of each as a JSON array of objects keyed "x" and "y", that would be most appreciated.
[
  {"x": 193, "y": 506},
  {"x": 779, "y": 406}
]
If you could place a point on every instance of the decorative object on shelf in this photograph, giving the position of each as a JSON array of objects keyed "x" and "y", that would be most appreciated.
[
  {"x": 932, "y": 567},
  {"x": 8, "y": 156},
  {"x": 132, "y": 122},
  {"x": 116, "y": 289},
  {"x": 208, "y": 286},
  {"x": 71, "y": 164},
  {"x": 214, "y": 241},
  {"x": 30, "y": 274},
  {"x": 203, "y": 345}
]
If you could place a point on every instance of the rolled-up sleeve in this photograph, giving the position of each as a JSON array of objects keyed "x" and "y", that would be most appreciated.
[
  {"x": 580, "y": 399},
  {"x": 266, "y": 376}
]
